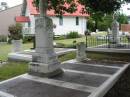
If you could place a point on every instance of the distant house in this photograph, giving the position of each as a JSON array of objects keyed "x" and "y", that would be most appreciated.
[
  {"x": 69, "y": 22},
  {"x": 7, "y": 18}
]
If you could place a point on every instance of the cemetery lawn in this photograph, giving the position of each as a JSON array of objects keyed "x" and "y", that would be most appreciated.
[
  {"x": 12, "y": 69},
  {"x": 6, "y": 48}
]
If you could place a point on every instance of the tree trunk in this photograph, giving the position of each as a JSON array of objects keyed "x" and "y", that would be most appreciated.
[
  {"x": 96, "y": 25},
  {"x": 43, "y": 8}
]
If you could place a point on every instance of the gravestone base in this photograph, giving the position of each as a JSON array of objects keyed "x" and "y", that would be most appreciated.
[
  {"x": 44, "y": 70},
  {"x": 50, "y": 74}
]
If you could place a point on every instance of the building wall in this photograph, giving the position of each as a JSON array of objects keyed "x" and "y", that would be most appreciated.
[
  {"x": 69, "y": 24},
  {"x": 7, "y": 18}
]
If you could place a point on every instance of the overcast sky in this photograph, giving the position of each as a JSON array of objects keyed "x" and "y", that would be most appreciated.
[{"x": 12, "y": 2}]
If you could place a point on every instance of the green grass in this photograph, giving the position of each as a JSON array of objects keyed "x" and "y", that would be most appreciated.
[
  {"x": 68, "y": 56},
  {"x": 12, "y": 69},
  {"x": 70, "y": 41},
  {"x": 7, "y": 48},
  {"x": 92, "y": 41}
]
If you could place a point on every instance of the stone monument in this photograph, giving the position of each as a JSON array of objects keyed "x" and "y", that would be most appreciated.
[
  {"x": 44, "y": 62},
  {"x": 16, "y": 45},
  {"x": 81, "y": 52},
  {"x": 115, "y": 33}
]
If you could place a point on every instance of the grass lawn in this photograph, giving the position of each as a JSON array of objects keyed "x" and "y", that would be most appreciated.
[
  {"x": 13, "y": 69},
  {"x": 6, "y": 48},
  {"x": 91, "y": 41},
  {"x": 70, "y": 41}
]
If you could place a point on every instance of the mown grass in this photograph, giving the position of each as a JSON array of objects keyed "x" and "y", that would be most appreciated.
[
  {"x": 12, "y": 69},
  {"x": 7, "y": 48}
]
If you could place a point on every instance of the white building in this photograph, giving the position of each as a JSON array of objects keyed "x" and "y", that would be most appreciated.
[{"x": 69, "y": 22}]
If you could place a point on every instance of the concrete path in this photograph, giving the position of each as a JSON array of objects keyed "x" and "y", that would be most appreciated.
[{"x": 78, "y": 80}]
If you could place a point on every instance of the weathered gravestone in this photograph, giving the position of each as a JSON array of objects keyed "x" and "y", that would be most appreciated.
[
  {"x": 115, "y": 33},
  {"x": 16, "y": 45},
  {"x": 81, "y": 55},
  {"x": 44, "y": 61}
]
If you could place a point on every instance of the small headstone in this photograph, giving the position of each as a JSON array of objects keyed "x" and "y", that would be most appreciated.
[
  {"x": 16, "y": 45},
  {"x": 81, "y": 54}
]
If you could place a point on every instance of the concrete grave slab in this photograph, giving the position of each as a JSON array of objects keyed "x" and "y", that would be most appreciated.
[
  {"x": 23, "y": 87},
  {"x": 90, "y": 68},
  {"x": 73, "y": 83}
]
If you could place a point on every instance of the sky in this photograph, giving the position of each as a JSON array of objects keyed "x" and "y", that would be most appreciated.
[{"x": 12, "y": 3}]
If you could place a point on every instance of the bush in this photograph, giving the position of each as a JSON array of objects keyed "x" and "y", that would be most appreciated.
[
  {"x": 27, "y": 39},
  {"x": 3, "y": 38},
  {"x": 15, "y": 31},
  {"x": 90, "y": 24},
  {"x": 102, "y": 26},
  {"x": 72, "y": 35}
]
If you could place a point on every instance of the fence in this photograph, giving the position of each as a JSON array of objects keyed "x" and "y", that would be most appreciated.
[{"x": 106, "y": 41}]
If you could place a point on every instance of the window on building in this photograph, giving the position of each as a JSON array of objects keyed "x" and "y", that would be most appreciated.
[
  {"x": 77, "y": 20},
  {"x": 61, "y": 21}
]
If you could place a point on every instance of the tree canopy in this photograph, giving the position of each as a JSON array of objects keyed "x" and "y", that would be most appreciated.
[
  {"x": 91, "y": 6},
  {"x": 59, "y": 6}
]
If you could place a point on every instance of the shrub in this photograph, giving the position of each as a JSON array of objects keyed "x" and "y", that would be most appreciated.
[
  {"x": 72, "y": 35},
  {"x": 90, "y": 24},
  {"x": 15, "y": 31},
  {"x": 102, "y": 26},
  {"x": 27, "y": 39}
]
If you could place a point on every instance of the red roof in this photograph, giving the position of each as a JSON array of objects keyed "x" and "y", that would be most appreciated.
[
  {"x": 22, "y": 19},
  {"x": 33, "y": 10}
]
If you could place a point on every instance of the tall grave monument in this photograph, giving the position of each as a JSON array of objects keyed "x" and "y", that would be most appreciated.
[
  {"x": 44, "y": 62},
  {"x": 115, "y": 33}
]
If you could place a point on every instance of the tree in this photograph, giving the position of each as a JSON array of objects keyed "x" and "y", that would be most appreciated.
[
  {"x": 104, "y": 6},
  {"x": 59, "y": 6},
  {"x": 98, "y": 8},
  {"x": 15, "y": 31},
  {"x": 91, "y": 6},
  {"x": 122, "y": 19}
]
